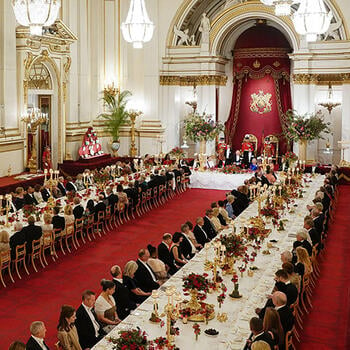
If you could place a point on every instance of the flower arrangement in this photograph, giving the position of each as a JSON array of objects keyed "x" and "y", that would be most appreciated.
[
  {"x": 270, "y": 212},
  {"x": 162, "y": 343},
  {"x": 197, "y": 282},
  {"x": 131, "y": 339},
  {"x": 197, "y": 330},
  {"x": 234, "y": 245},
  {"x": 201, "y": 128},
  {"x": 290, "y": 156},
  {"x": 28, "y": 209},
  {"x": 231, "y": 169},
  {"x": 305, "y": 127},
  {"x": 221, "y": 297},
  {"x": 101, "y": 177},
  {"x": 177, "y": 152}
]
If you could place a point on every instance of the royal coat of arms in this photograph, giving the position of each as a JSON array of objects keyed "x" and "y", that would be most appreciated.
[{"x": 261, "y": 103}]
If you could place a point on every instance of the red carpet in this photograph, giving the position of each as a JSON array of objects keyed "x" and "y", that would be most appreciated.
[
  {"x": 327, "y": 326},
  {"x": 39, "y": 296}
]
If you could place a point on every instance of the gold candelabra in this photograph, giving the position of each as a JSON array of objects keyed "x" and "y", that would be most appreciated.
[
  {"x": 52, "y": 181},
  {"x": 133, "y": 115}
]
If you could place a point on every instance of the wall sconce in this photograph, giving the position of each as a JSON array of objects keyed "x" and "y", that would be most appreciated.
[{"x": 329, "y": 104}]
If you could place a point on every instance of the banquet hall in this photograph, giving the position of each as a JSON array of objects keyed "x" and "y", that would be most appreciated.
[{"x": 174, "y": 174}]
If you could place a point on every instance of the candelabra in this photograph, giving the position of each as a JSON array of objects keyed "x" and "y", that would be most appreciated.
[
  {"x": 111, "y": 90},
  {"x": 52, "y": 181},
  {"x": 172, "y": 312},
  {"x": 34, "y": 119},
  {"x": 133, "y": 115}
]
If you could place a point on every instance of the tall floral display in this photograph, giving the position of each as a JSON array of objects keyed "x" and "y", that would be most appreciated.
[{"x": 304, "y": 128}]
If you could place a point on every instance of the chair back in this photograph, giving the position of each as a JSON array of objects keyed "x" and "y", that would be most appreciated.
[
  {"x": 79, "y": 224},
  {"x": 57, "y": 233},
  {"x": 100, "y": 216},
  {"x": 20, "y": 252},
  {"x": 108, "y": 211},
  {"x": 289, "y": 339},
  {"x": 47, "y": 238},
  {"x": 5, "y": 259},
  {"x": 90, "y": 220},
  {"x": 36, "y": 247},
  {"x": 70, "y": 229}
]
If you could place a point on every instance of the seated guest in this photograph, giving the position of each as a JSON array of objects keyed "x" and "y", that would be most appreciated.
[
  {"x": 58, "y": 222},
  {"x": 70, "y": 186},
  {"x": 4, "y": 241},
  {"x": 67, "y": 333},
  {"x": 258, "y": 333},
  {"x": 112, "y": 198},
  {"x": 210, "y": 163},
  {"x": 47, "y": 225},
  {"x": 279, "y": 300},
  {"x": 293, "y": 277},
  {"x": 17, "y": 345},
  {"x": 122, "y": 198},
  {"x": 157, "y": 265},
  {"x": 164, "y": 253},
  {"x": 31, "y": 232},
  {"x": 253, "y": 165},
  {"x": 37, "y": 194},
  {"x": 29, "y": 197},
  {"x": 175, "y": 250},
  {"x": 100, "y": 206},
  {"x": 312, "y": 232},
  {"x": 303, "y": 264},
  {"x": 90, "y": 207},
  {"x": 286, "y": 256},
  {"x": 237, "y": 159},
  {"x": 78, "y": 210},
  {"x": 68, "y": 215},
  {"x": 19, "y": 199},
  {"x": 259, "y": 177},
  {"x": 230, "y": 199},
  {"x": 199, "y": 232},
  {"x": 60, "y": 185},
  {"x": 272, "y": 325},
  {"x": 89, "y": 330},
  {"x": 36, "y": 340},
  {"x": 105, "y": 306},
  {"x": 45, "y": 192},
  {"x": 18, "y": 238},
  {"x": 188, "y": 249},
  {"x": 318, "y": 219},
  {"x": 191, "y": 235},
  {"x": 223, "y": 215},
  {"x": 208, "y": 226},
  {"x": 260, "y": 345},
  {"x": 284, "y": 285},
  {"x": 136, "y": 294},
  {"x": 121, "y": 295},
  {"x": 215, "y": 220},
  {"x": 269, "y": 176},
  {"x": 301, "y": 242},
  {"x": 145, "y": 277},
  {"x": 79, "y": 184}
]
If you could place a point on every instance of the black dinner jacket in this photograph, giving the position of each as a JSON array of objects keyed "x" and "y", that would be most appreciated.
[
  {"x": 78, "y": 212},
  {"x": 32, "y": 344},
  {"x": 31, "y": 233},
  {"x": 112, "y": 200},
  {"x": 315, "y": 236},
  {"x": 30, "y": 199},
  {"x": 209, "y": 228},
  {"x": 200, "y": 236},
  {"x": 45, "y": 194},
  {"x": 286, "y": 317},
  {"x": 100, "y": 206},
  {"x": 186, "y": 248},
  {"x": 71, "y": 187},
  {"x": 290, "y": 290},
  {"x": 58, "y": 222},
  {"x": 122, "y": 300},
  {"x": 62, "y": 189},
  {"x": 85, "y": 328},
  {"x": 318, "y": 223},
  {"x": 18, "y": 238},
  {"x": 165, "y": 256},
  {"x": 266, "y": 337},
  {"x": 144, "y": 279}
]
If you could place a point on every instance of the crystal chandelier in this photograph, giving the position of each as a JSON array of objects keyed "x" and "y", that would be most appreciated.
[
  {"x": 330, "y": 103},
  {"x": 137, "y": 28},
  {"x": 36, "y": 14},
  {"x": 312, "y": 19},
  {"x": 282, "y": 7}
]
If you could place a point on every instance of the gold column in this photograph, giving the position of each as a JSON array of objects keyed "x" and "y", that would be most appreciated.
[{"x": 133, "y": 115}]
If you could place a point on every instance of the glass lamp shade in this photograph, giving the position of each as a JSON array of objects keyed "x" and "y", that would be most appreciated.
[
  {"x": 36, "y": 14},
  {"x": 137, "y": 28},
  {"x": 312, "y": 19}
]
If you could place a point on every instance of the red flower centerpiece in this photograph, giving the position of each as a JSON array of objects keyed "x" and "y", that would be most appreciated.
[
  {"x": 197, "y": 330},
  {"x": 234, "y": 245},
  {"x": 131, "y": 339}
]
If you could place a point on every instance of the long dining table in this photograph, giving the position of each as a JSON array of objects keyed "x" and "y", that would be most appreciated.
[{"x": 254, "y": 289}]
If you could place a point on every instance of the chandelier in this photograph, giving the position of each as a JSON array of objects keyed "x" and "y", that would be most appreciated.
[
  {"x": 34, "y": 118},
  {"x": 137, "y": 28},
  {"x": 330, "y": 103},
  {"x": 36, "y": 14},
  {"x": 282, "y": 7},
  {"x": 312, "y": 19}
]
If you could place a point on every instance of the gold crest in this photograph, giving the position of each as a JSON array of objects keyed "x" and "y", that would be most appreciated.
[
  {"x": 256, "y": 64},
  {"x": 261, "y": 103}
]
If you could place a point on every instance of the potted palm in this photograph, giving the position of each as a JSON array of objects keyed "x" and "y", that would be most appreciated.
[{"x": 116, "y": 115}]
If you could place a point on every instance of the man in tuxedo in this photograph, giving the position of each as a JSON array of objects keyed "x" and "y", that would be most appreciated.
[
  {"x": 45, "y": 192},
  {"x": 112, "y": 198},
  {"x": 188, "y": 249},
  {"x": 284, "y": 285},
  {"x": 237, "y": 158},
  {"x": 208, "y": 225},
  {"x": 313, "y": 233},
  {"x": 36, "y": 340},
  {"x": 18, "y": 238},
  {"x": 258, "y": 333},
  {"x": 89, "y": 330},
  {"x": 78, "y": 210},
  {"x": 318, "y": 219},
  {"x": 279, "y": 300},
  {"x": 259, "y": 177},
  {"x": 70, "y": 186},
  {"x": 121, "y": 295},
  {"x": 29, "y": 198},
  {"x": 58, "y": 221},
  {"x": 199, "y": 233},
  {"x": 301, "y": 242},
  {"x": 100, "y": 206},
  {"x": 164, "y": 253},
  {"x": 60, "y": 186},
  {"x": 144, "y": 275},
  {"x": 31, "y": 233}
]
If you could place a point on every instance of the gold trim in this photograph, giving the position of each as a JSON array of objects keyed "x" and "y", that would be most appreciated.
[
  {"x": 191, "y": 80},
  {"x": 17, "y": 145},
  {"x": 321, "y": 79},
  {"x": 342, "y": 175}
]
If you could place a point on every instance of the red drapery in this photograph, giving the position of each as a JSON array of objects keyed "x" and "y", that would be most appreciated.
[{"x": 262, "y": 72}]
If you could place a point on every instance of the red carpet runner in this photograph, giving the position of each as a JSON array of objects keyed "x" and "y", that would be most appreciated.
[
  {"x": 39, "y": 296},
  {"x": 327, "y": 325}
]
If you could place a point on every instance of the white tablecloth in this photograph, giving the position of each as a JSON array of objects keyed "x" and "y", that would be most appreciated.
[
  {"x": 217, "y": 181},
  {"x": 234, "y": 332}
]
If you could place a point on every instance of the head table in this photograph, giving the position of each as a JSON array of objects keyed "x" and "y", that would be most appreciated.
[{"x": 254, "y": 290}]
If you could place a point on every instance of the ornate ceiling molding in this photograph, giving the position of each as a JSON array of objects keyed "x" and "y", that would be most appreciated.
[
  {"x": 191, "y": 80},
  {"x": 321, "y": 79}
]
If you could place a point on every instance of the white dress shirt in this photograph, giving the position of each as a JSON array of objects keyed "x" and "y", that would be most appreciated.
[
  {"x": 193, "y": 248},
  {"x": 40, "y": 341},
  {"x": 150, "y": 270},
  {"x": 93, "y": 319}
]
